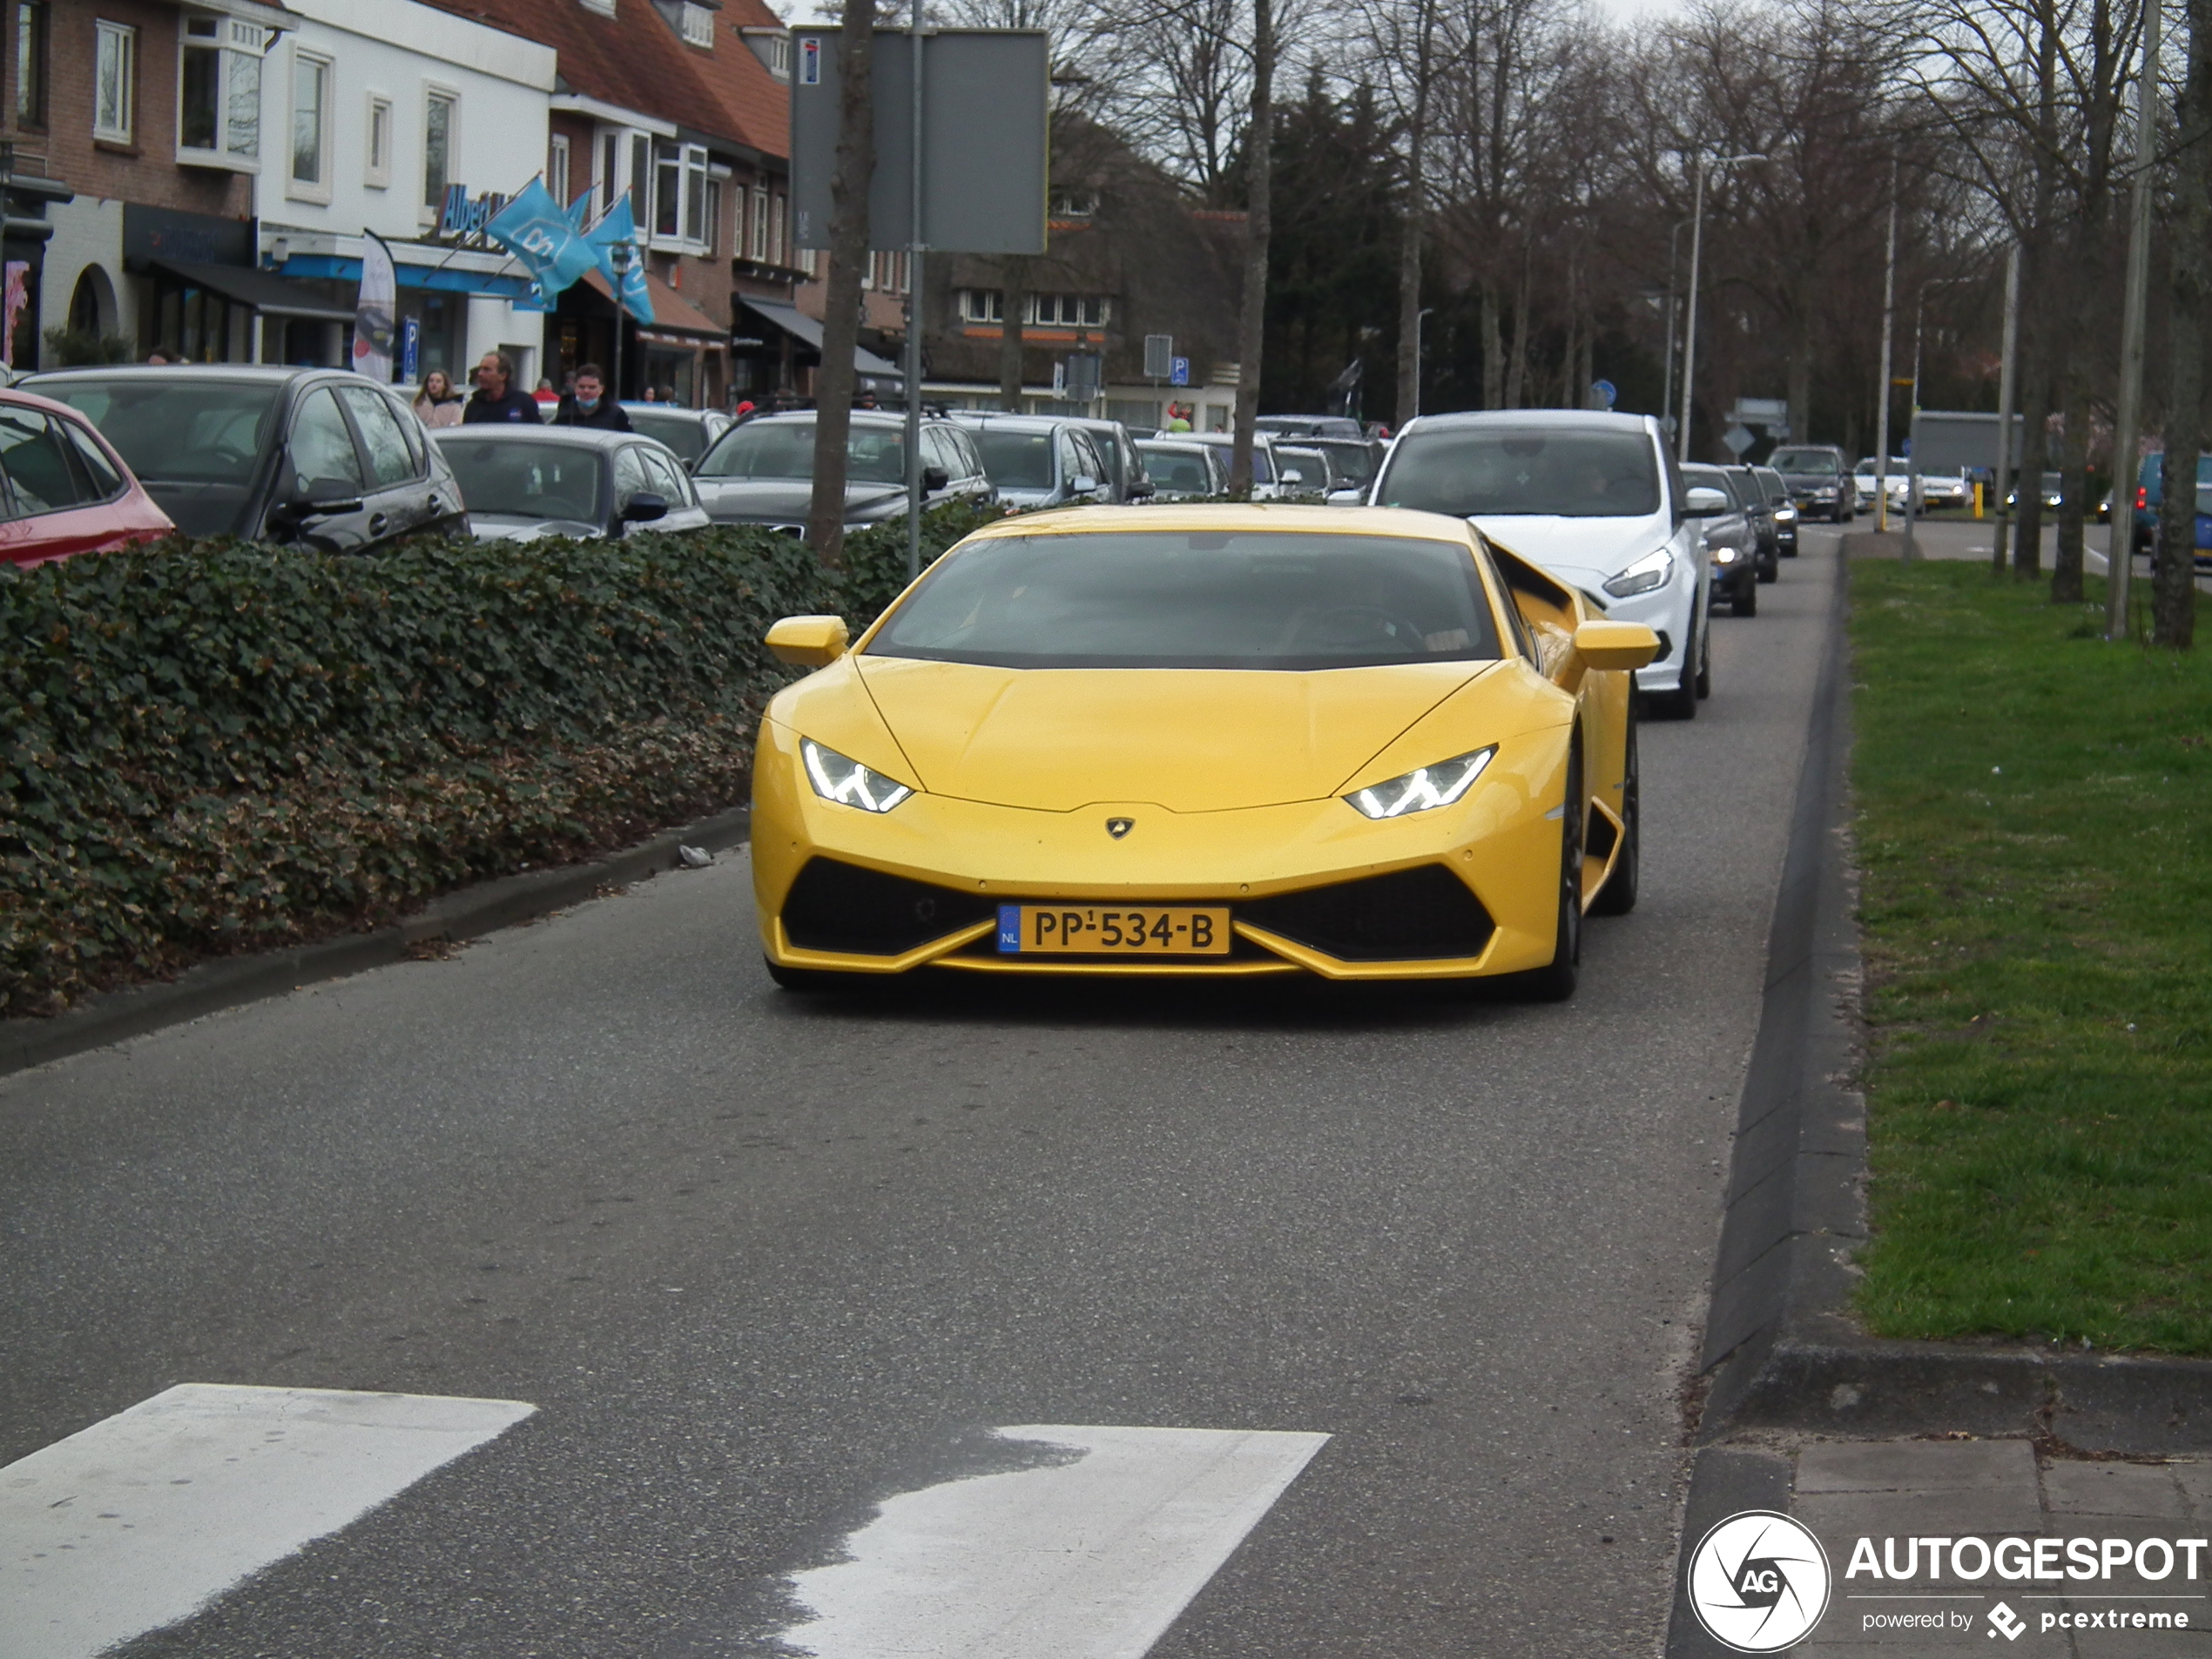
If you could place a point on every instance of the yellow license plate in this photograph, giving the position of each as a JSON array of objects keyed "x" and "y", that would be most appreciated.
[{"x": 1090, "y": 930}]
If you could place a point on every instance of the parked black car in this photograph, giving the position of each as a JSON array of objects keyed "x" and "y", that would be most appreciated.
[
  {"x": 762, "y": 472},
  {"x": 1750, "y": 490},
  {"x": 1785, "y": 510},
  {"x": 282, "y": 455},
  {"x": 528, "y": 481},
  {"x": 1732, "y": 545},
  {"x": 1818, "y": 481}
]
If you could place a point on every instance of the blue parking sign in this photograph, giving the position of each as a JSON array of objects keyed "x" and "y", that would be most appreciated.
[
  {"x": 410, "y": 349},
  {"x": 1178, "y": 371}
]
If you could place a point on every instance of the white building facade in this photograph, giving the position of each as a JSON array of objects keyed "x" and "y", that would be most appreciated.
[{"x": 399, "y": 118}]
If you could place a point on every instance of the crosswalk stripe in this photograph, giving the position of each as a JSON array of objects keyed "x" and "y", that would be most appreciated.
[
  {"x": 134, "y": 1523},
  {"x": 1088, "y": 1559}
]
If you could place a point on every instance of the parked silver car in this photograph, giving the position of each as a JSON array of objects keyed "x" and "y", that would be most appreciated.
[
  {"x": 1038, "y": 460},
  {"x": 691, "y": 433},
  {"x": 762, "y": 472},
  {"x": 1182, "y": 470},
  {"x": 524, "y": 482},
  {"x": 1116, "y": 446}
]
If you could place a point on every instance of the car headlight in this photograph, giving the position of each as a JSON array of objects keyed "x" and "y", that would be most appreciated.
[
  {"x": 1826, "y": 492},
  {"x": 1785, "y": 514},
  {"x": 837, "y": 778},
  {"x": 1424, "y": 787},
  {"x": 1649, "y": 572},
  {"x": 1725, "y": 556}
]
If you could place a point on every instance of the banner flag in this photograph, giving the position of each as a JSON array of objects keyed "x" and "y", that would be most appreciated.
[
  {"x": 374, "y": 329},
  {"x": 618, "y": 225},
  {"x": 536, "y": 230}
]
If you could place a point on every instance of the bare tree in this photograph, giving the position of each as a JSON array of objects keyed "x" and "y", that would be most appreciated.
[
  {"x": 2174, "y": 583},
  {"x": 848, "y": 257},
  {"x": 1259, "y": 170}
]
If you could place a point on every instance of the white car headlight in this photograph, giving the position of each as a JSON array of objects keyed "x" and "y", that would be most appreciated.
[
  {"x": 1649, "y": 572},
  {"x": 1423, "y": 788},
  {"x": 1725, "y": 556},
  {"x": 836, "y": 777}
]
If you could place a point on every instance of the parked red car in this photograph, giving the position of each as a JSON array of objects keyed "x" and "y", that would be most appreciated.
[{"x": 63, "y": 488}]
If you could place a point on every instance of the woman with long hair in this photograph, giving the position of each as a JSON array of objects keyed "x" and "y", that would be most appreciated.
[{"x": 438, "y": 403}]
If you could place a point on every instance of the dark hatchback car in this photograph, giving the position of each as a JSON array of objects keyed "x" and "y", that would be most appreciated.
[
  {"x": 1758, "y": 507},
  {"x": 763, "y": 471},
  {"x": 524, "y": 482},
  {"x": 282, "y": 455}
]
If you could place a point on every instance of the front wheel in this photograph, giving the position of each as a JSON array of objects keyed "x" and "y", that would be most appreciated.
[
  {"x": 1705, "y": 662},
  {"x": 1746, "y": 602},
  {"x": 1555, "y": 981}
]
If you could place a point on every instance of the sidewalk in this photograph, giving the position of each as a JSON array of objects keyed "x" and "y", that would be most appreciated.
[{"x": 1898, "y": 1495}]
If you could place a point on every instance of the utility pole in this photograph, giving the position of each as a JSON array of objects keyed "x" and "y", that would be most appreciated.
[
  {"x": 2120, "y": 545},
  {"x": 1906, "y": 554},
  {"x": 1667, "y": 397},
  {"x": 2006, "y": 391},
  {"x": 1689, "y": 325},
  {"x": 1413, "y": 403},
  {"x": 915, "y": 244},
  {"x": 1882, "y": 413}
]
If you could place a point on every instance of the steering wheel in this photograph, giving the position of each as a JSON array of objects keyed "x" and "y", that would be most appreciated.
[{"x": 1341, "y": 626}]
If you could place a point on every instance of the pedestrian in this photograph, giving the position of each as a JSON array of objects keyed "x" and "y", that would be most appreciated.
[
  {"x": 746, "y": 412},
  {"x": 546, "y": 396},
  {"x": 589, "y": 405},
  {"x": 498, "y": 397},
  {"x": 159, "y": 358},
  {"x": 437, "y": 404},
  {"x": 650, "y": 395},
  {"x": 1178, "y": 417}
]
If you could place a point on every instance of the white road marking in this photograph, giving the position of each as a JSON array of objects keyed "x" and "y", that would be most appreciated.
[
  {"x": 140, "y": 1519},
  {"x": 1090, "y": 1560}
]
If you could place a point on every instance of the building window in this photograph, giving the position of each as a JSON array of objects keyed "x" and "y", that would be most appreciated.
[
  {"x": 776, "y": 255},
  {"x": 698, "y": 25},
  {"x": 115, "y": 81},
  {"x": 679, "y": 193},
  {"x": 760, "y": 226},
  {"x": 310, "y": 127},
  {"x": 982, "y": 305},
  {"x": 556, "y": 167},
  {"x": 439, "y": 111},
  {"x": 713, "y": 238},
  {"x": 808, "y": 262},
  {"x": 377, "y": 171},
  {"x": 219, "y": 93},
  {"x": 1067, "y": 311},
  {"x": 30, "y": 63}
]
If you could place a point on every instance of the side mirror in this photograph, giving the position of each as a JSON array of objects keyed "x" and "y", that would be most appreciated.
[
  {"x": 1140, "y": 487},
  {"x": 643, "y": 508},
  {"x": 935, "y": 479},
  {"x": 808, "y": 641},
  {"x": 1705, "y": 501},
  {"x": 1081, "y": 484},
  {"x": 1348, "y": 497},
  {"x": 1292, "y": 475},
  {"x": 1615, "y": 644},
  {"x": 321, "y": 498}
]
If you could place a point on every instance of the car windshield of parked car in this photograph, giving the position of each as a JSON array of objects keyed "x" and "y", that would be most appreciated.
[
  {"x": 1177, "y": 470},
  {"x": 516, "y": 478},
  {"x": 1016, "y": 460},
  {"x": 1196, "y": 599},
  {"x": 1109, "y": 448},
  {"x": 685, "y": 433},
  {"x": 172, "y": 430},
  {"x": 1560, "y": 472},
  {"x": 1355, "y": 462},
  {"x": 1712, "y": 478},
  {"x": 786, "y": 449},
  {"x": 1821, "y": 461}
]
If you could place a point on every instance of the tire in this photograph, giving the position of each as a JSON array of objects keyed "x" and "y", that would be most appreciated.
[
  {"x": 1618, "y": 896},
  {"x": 1746, "y": 602},
  {"x": 1555, "y": 981},
  {"x": 1681, "y": 704},
  {"x": 1770, "y": 568},
  {"x": 1704, "y": 682}
]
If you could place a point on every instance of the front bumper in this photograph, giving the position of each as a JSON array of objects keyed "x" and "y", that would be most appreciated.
[{"x": 1462, "y": 891}]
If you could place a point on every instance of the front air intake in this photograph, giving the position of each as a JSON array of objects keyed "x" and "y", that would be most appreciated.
[
  {"x": 1413, "y": 915},
  {"x": 865, "y": 913}
]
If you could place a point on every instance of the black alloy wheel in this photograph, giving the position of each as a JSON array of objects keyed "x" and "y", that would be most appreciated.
[
  {"x": 1744, "y": 602},
  {"x": 1618, "y": 896},
  {"x": 1704, "y": 661},
  {"x": 1555, "y": 981}
]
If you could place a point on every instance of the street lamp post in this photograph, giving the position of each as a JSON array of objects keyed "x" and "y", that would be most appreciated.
[
  {"x": 1912, "y": 550},
  {"x": 619, "y": 255},
  {"x": 1420, "y": 334},
  {"x": 1689, "y": 323}
]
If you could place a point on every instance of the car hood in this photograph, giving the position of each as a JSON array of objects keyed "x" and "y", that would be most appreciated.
[
  {"x": 1192, "y": 740},
  {"x": 1603, "y": 546},
  {"x": 778, "y": 500}
]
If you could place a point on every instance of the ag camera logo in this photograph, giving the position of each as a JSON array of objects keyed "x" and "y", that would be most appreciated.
[{"x": 1758, "y": 1581}]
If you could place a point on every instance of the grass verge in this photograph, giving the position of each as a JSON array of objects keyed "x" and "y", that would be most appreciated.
[{"x": 2035, "y": 831}]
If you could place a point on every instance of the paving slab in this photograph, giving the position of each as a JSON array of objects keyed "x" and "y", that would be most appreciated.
[
  {"x": 2136, "y": 1489},
  {"x": 1915, "y": 1466}
]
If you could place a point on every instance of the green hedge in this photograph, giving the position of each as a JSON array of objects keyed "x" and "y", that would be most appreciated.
[{"x": 214, "y": 745}]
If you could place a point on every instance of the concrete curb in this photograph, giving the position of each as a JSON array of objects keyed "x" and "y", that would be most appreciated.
[
  {"x": 1724, "y": 1481},
  {"x": 1780, "y": 1344},
  {"x": 462, "y": 914}
]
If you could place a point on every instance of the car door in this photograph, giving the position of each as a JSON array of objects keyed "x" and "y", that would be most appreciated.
[
  {"x": 631, "y": 478},
  {"x": 324, "y": 501},
  {"x": 666, "y": 477},
  {"x": 396, "y": 493}
]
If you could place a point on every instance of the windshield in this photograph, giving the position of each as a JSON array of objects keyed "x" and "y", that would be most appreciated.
[
  {"x": 518, "y": 479},
  {"x": 179, "y": 431},
  {"x": 1016, "y": 460},
  {"x": 1801, "y": 461},
  {"x": 1196, "y": 599},
  {"x": 1355, "y": 462},
  {"x": 786, "y": 449},
  {"x": 685, "y": 433},
  {"x": 1500, "y": 471},
  {"x": 1177, "y": 470}
]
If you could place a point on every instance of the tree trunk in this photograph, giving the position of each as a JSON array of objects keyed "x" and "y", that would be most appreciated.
[
  {"x": 1014, "y": 299},
  {"x": 1259, "y": 167},
  {"x": 2035, "y": 419},
  {"x": 1517, "y": 364},
  {"x": 848, "y": 258},
  {"x": 2074, "y": 473},
  {"x": 1494, "y": 351},
  {"x": 1800, "y": 391},
  {"x": 1410, "y": 236},
  {"x": 2174, "y": 580}
]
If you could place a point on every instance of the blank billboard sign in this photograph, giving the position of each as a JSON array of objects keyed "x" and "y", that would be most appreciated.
[
  {"x": 985, "y": 166},
  {"x": 1947, "y": 441}
]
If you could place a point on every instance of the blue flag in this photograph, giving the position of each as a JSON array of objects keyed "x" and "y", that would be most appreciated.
[
  {"x": 536, "y": 231},
  {"x": 617, "y": 226}
]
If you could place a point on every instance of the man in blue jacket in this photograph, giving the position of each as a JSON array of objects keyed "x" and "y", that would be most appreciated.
[{"x": 498, "y": 398}]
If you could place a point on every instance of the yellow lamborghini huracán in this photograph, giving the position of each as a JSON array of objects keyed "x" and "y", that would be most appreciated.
[{"x": 1220, "y": 740}]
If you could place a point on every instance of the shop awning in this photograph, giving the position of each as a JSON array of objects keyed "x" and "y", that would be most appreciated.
[
  {"x": 338, "y": 268},
  {"x": 267, "y": 292},
  {"x": 675, "y": 321},
  {"x": 802, "y": 327}
]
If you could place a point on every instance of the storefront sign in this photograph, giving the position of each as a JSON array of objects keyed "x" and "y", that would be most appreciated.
[
  {"x": 193, "y": 239},
  {"x": 464, "y": 217}
]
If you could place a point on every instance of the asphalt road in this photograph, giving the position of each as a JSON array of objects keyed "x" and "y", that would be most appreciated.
[{"x": 761, "y": 1262}]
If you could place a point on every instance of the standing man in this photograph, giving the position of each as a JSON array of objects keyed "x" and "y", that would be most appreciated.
[
  {"x": 497, "y": 397},
  {"x": 588, "y": 404}
]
